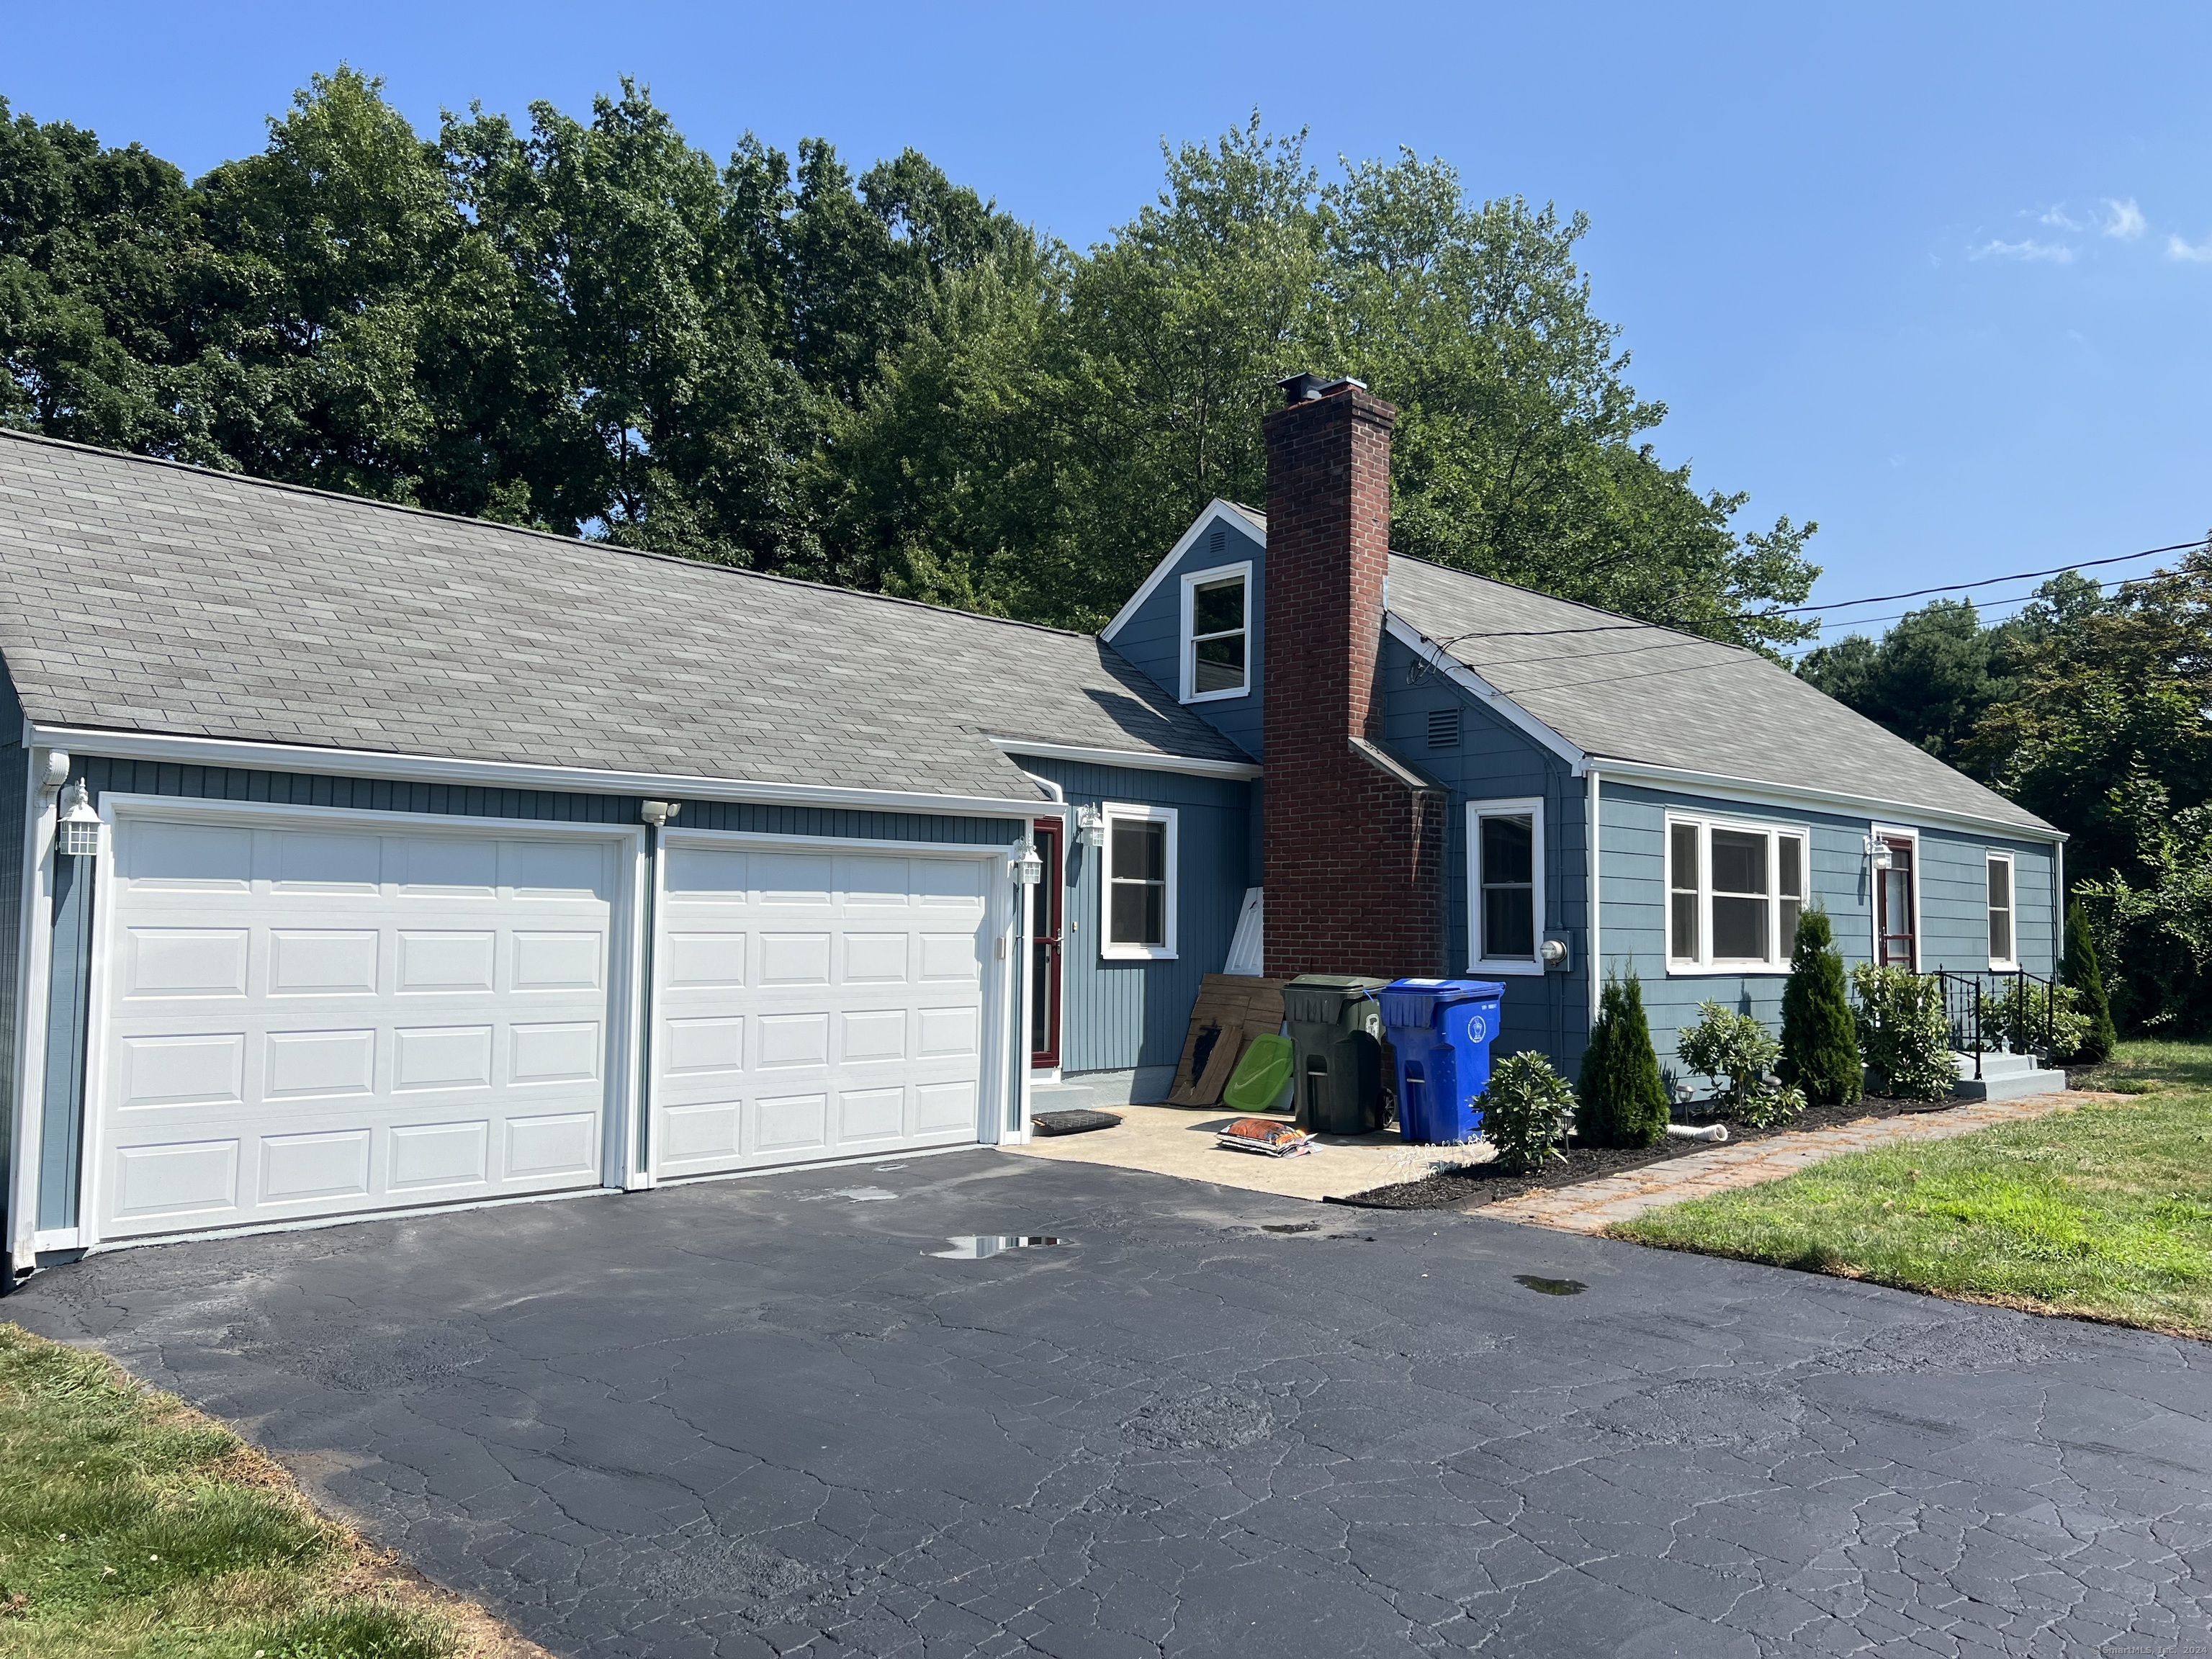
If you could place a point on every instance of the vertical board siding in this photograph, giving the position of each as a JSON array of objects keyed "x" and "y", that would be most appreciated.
[
  {"x": 1496, "y": 760},
  {"x": 1152, "y": 638},
  {"x": 1117, "y": 1015},
  {"x": 1953, "y": 902}
]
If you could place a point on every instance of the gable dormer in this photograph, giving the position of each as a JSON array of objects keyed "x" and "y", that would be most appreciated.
[{"x": 1195, "y": 625}]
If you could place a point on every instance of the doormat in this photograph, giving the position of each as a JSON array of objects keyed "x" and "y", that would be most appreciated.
[{"x": 1078, "y": 1122}]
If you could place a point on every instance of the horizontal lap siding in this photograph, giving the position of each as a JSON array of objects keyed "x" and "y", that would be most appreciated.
[
  {"x": 1954, "y": 917},
  {"x": 1116, "y": 1015},
  {"x": 1152, "y": 637},
  {"x": 1497, "y": 760}
]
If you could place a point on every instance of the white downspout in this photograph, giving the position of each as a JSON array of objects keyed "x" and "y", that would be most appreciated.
[{"x": 1596, "y": 895}]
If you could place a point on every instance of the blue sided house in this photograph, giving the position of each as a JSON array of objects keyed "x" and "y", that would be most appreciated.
[{"x": 366, "y": 860}]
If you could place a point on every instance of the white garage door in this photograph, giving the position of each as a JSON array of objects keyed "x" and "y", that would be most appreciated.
[
  {"x": 310, "y": 1019},
  {"x": 814, "y": 1004}
]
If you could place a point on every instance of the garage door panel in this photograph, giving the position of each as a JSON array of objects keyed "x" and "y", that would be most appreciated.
[
  {"x": 324, "y": 961},
  {"x": 442, "y": 1057},
  {"x": 420, "y": 1016},
  {"x": 318, "y": 1065},
  {"x": 202, "y": 1069},
  {"x": 793, "y": 1123},
  {"x": 311, "y": 862},
  {"x": 427, "y": 1155},
  {"x": 703, "y": 961},
  {"x": 565, "y": 1053},
  {"x": 817, "y": 1045},
  {"x": 185, "y": 961},
  {"x": 446, "y": 960},
  {"x": 177, "y": 1180},
  {"x": 302, "y": 1167},
  {"x": 188, "y": 857}
]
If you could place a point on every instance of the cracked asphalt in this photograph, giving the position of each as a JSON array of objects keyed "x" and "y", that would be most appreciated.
[{"x": 754, "y": 1417}]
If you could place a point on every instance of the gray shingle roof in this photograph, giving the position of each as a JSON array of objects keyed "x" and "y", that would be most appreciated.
[
  {"x": 146, "y": 596},
  {"x": 1627, "y": 690}
]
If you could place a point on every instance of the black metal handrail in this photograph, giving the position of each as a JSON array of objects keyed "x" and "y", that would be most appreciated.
[{"x": 1979, "y": 1009}]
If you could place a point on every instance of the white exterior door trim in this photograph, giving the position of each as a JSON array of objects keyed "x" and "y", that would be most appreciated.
[
  {"x": 1002, "y": 918},
  {"x": 625, "y": 942}
]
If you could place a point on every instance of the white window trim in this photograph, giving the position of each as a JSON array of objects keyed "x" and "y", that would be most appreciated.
[
  {"x": 1997, "y": 964},
  {"x": 1779, "y": 949},
  {"x": 1113, "y": 813},
  {"x": 1521, "y": 806},
  {"x": 1192, "y": 580},
  {"x": 1902, "y": 832}
]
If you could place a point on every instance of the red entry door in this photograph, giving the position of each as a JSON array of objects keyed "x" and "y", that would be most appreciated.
[
  {"x": 1047, "y": 916},
  {"x": 1895, "y": 942}
]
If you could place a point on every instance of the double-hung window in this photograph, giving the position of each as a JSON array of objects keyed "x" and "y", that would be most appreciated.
[
  {"x": 1137, "y": 887},
  {"x": 1734, "y": 891},
  {"x": 2004, "y": 948},
  {"x": 1216, "y": 633},
  {"x": 1505, "y": 885}
]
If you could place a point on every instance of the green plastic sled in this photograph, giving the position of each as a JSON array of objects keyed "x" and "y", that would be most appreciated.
[{"x": 1263, "y": 1072}]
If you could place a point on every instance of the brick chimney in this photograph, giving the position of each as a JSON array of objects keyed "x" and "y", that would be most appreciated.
[{"x": 1354, "y": 840}]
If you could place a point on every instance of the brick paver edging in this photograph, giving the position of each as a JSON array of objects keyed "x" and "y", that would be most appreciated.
[{"x": 1594, "y": 1206}]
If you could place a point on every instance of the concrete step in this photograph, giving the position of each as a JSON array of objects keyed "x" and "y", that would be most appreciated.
[
  {"x": 1993, "y": 1066},
  {"x": 2007, "y": 1085}
]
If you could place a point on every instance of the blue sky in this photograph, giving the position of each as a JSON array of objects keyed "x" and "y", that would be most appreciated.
[{"x": 1940, "y": 277}]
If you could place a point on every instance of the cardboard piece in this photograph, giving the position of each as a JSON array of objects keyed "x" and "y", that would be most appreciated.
[{"x": 1236, "y": 1009}]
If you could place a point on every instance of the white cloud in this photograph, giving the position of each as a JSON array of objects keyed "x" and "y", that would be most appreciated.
[
  {"x": 2055, "y": 253},
  {"x": 2125, "y": 220},
  {"x": 2057, "y": 216},
  {"x": 2200, "y": 253}
]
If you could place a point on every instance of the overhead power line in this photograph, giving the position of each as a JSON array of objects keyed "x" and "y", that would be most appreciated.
[{"x": 1991, "y": 582}]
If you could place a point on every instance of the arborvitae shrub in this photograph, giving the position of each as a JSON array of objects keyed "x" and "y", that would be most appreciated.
[
  {"x": 1623, "y": 1097},
  {"x": 2079, "y": 968},
  {"x": 1819, "y": 1041}
]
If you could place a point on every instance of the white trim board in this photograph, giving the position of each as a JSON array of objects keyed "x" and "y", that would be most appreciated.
[
  {"x": 1216, "y": 509},
  {"x": 1715, "y": 785},
  {"x": 1136, "y": 760},
  {"x": 516, "y": 775}
]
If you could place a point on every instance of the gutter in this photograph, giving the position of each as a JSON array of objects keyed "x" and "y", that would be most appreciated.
[
  {"x": 511, "y": 774},
  {"x": 1848, "y": 806},
  {"x": 1141, "y": 759}
]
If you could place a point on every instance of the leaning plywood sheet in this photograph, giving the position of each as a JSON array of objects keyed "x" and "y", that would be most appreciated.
[{"x": 1230, "y": 1011}]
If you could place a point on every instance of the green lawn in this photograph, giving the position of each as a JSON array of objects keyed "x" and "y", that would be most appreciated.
[
  {"x": 2104, "y": 1211},
  {"x": 131, "y": 1527}
]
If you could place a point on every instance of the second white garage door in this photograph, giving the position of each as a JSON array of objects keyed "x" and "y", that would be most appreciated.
[{"x": 816, "y": 1004}]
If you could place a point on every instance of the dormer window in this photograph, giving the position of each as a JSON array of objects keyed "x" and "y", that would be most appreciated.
[{"x": 1216, "y": 633}]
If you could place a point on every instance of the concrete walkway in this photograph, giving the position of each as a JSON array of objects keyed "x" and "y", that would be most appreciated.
[
  {"x": 1178, "y": 1140},
  {"x": 1595, "y": 1206}
]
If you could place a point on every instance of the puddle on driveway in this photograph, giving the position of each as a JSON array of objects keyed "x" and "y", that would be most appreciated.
[
  {"x": 1543, "y": 1286},
  {"x": 981, "y": 1246}
]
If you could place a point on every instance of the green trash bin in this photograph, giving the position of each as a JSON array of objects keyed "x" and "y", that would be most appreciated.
[{"x": 1336, "y": 1043}]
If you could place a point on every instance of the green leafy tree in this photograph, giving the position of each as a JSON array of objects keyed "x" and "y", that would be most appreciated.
[
  {"x": 1820, "y": 1044},
  {"x": 2079, "y": 968},
  {"x": 1624, "y": 1097},
  {"x": 1932, "y": 678}
]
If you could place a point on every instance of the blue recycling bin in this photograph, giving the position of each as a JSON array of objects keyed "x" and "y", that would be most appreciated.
[{"x": 1441, "y": 1029}]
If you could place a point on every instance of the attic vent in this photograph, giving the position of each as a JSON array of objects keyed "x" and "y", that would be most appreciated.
[
  {"x": 1444, "y": 728},
  {"x": 1218, "y": 540}
]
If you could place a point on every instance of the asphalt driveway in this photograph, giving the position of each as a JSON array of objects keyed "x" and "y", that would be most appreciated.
[{"x": 754, "y": 1418}]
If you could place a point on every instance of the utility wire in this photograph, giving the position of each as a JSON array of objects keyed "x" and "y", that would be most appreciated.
[{"x": 1991, "y": 582}]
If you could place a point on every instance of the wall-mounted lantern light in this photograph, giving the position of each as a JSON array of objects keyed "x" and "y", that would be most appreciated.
[
  {"x": 80, "y": 823},
  {"x": 1877, "y": 852},
  {"x": 1027, "y": 868},
  {"x": 1090, "y": 826}
]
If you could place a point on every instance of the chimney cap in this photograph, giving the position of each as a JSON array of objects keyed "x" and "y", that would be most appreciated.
[{"x": 1305, "y": 387}]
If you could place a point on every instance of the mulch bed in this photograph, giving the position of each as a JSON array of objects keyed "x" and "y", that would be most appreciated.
[{"x": 1475, "y": 1184}]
